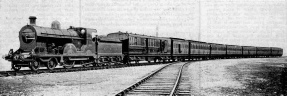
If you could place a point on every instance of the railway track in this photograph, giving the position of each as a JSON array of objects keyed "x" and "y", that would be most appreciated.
[
  {"x": 169, "y": 80},
  {"x": 59, "y": 70}
]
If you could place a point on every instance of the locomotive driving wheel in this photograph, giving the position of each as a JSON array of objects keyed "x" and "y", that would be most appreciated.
[
  {"x": 68, "y": 64},
  {"x": 15, "y": 67},
  {"x": 34, "y": 65},
  {"x": 51, "y": 64}
]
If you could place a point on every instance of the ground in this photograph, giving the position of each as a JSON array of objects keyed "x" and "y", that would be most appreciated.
[
  {"x": 251, "y": 77},
  {"x": 104, "y": 82},
  {"x": 239, "y": 77}
]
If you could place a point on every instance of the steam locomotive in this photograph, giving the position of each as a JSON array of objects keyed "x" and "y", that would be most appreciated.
[{"x": 51, "y": 47}]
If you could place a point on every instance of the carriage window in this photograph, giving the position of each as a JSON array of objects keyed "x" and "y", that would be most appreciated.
[
  {"x": 130, "y": 40},
  {"x": 139, "y": 41},
  {"x": 154, "y": 42},
  {"x": 142, "y": 41},
  {"x": 135, "y": 41},
  {"x": 149, "y": 42}
]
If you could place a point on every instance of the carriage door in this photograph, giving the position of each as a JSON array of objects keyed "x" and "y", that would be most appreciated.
[{"x": 179, "y": 48}]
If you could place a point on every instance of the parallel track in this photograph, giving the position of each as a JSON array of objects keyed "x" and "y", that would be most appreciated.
[
  {"x": 169, "y": 80},
  {"x": 59, "y": 70}
]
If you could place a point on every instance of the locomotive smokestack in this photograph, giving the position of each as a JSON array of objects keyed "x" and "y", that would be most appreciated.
[{"x": 32, "y": 20}]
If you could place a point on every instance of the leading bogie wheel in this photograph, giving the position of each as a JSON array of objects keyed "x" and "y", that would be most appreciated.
[
  {"x": 34, "y": 65},
  {"x": 15, "y": 67},
  {"x": 51, "y": 64}
]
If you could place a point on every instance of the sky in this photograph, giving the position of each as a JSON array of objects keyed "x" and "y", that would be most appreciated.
[{"x": 236, "y": 22}]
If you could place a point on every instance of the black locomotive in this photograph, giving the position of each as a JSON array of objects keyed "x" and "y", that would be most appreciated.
[{"x": 51, "y": 47}]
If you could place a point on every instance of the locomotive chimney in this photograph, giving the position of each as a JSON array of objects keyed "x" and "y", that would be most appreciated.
[{"x": 32, "y": 20}]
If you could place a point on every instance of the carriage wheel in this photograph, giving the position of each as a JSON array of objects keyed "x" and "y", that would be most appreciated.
[
  {"x": 34, "y": 65},
  {"x": 95, "y": 63},
  {"x": 68, "y": 64},
  {"x": 51, "y": 64},
  {"x": 15, "y": 67}
]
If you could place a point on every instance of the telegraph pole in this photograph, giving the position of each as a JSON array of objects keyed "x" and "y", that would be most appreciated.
[
  {"x": 199, "y": 20},
  {"x": 80, "y": 12}
]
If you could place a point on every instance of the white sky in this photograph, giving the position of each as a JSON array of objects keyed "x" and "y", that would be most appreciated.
[{"x": 237, "y": 22}]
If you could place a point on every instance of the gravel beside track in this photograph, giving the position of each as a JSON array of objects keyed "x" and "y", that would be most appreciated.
[
  {"x": 239, "y": 77},
  {"x": 81, "y": 83}
]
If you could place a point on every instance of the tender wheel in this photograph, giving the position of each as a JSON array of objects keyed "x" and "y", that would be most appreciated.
[
  {"x": 15, "y": 67},
  {"x": 69, "y": 64},
  {"x": 34, "y": 65},
  {"x": 51, "y": 64},
  {"x": 95, "y": 63}
]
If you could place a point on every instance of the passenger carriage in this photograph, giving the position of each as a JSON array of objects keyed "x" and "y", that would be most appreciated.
[
  {"x": 263, "y": 51},
  {"x": 248, "y": 51},
  {"x": 217, "y": 50},
  {"x": 141, "y": 47},
  {"x": 233, "y": 51},
  {"x": 199, "y": 49},
  {"x": 276, "y": 51}
]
